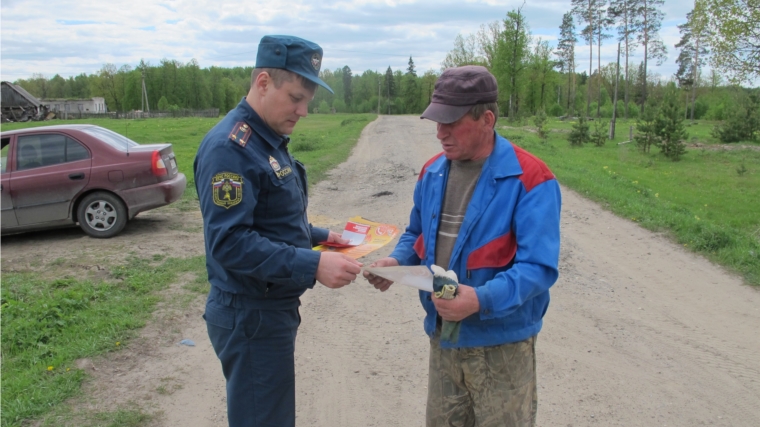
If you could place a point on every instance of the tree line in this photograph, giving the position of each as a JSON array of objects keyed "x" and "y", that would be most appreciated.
[{"x": 532, "y": 75}]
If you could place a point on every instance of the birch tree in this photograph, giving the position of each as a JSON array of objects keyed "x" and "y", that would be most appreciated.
[{"x": 734, "y": 36}]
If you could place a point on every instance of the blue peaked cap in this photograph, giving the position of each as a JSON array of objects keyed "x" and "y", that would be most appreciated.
[{"x": 293, "y": 54}]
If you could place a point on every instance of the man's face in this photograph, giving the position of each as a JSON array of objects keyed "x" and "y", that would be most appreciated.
[
  {"x": 284, "y": 106},
  {"x": 466, "y": 138}
]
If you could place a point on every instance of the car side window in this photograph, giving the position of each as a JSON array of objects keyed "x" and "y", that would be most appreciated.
[
  {"x": 6, "y": 146},
  {"x": 75, "y": 151},
  {"x": 53, "y": 149},
  {"x": 28, "y": 152},
  {"x": 47, "y": 150}
]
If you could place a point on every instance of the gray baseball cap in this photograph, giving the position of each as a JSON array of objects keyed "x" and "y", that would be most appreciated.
[{"x": 457, "y": 90}]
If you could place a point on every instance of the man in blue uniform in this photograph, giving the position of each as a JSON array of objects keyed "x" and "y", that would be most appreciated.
[
  {"x": 253, "y": 197},
  {"x": 487, "y": 211}
]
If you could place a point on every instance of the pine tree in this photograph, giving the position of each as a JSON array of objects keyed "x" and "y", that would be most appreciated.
[
  {"x": 390, "y": 84},
  {"x": 347, "y": 89},
  {"x": 648, "y": 20},
  {"x": 645, "y": 129},
  {"x": 579, "y": 134},
  {"x": 599, "y": 135},
  {"x": 540, "y": 121},
  {"x": 566, "y": 53},
  {"x": 669, "y": 126},
  {"x": 603, "y": 23},
  {"x": 586, "y": 11},
  {"x": 623, "y": 14},
  {"x": 693, "y": 50},
  {"x": 410, "y": 69}
]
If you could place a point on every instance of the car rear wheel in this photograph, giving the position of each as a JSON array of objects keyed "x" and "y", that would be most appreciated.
[{"x": 102, "y": 215}]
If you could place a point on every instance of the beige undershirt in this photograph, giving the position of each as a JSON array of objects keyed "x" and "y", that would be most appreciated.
[{"x": 463, "y": 177}]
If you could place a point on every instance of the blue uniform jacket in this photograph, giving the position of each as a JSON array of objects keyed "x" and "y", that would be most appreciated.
[
  {"x": 507, "y": 248},
  {"x": 253, "y": 197}
]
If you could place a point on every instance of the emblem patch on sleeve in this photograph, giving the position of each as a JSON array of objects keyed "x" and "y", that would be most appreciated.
[{"x": 227, "y": 188}]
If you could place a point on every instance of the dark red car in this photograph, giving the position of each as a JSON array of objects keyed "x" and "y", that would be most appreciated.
[{"x": 55, "y": 176}]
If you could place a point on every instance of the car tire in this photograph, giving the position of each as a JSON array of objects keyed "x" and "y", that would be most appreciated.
[{"x": 102, "y": 215}]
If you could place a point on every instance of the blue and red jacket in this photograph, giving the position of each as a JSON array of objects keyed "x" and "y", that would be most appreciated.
[{"x": 507, "y": 249}]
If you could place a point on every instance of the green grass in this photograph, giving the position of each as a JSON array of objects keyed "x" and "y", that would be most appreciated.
[
  {"x": 49, "y": 324},
  {"x": 703, "y": 202},
  {"x": 323, "y": 141}
]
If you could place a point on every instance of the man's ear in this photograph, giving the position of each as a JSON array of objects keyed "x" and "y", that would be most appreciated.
[
  {"x": 262, "y": 82},
  {"x": 490, "y": 118}
]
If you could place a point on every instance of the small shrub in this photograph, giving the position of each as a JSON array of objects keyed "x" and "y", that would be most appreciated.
[
  {"x": 302, "y": 145},
  {"x": 540, "y": 121},
  {"x": 645, "y": 130},
  {"x": 741, "y": 170},
  {"x": 555, "y": 110},
  {"x": 633, "y": 110},
  {"x": 599, "y": 136},
  {"x": 324, "y": 107},
  {"x": 669, "y": 126},
  {"x": 579, "y": 135},
  {"x": 742, "y": 122},
  {"x": 163, "y": 104}
]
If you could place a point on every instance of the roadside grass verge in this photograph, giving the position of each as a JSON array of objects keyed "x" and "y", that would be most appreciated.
[
  {"x": 49, "y": 324},
  {"x": 704, "y": 202}
]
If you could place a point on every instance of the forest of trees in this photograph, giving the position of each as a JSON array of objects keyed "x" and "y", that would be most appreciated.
[{"x": 532, "y": 75}]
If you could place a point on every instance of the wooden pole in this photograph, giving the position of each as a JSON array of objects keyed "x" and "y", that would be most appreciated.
[{"x": 614, "y": 102}]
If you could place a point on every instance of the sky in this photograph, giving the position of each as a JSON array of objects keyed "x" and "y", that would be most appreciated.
[{"x": 73, "y": 37}]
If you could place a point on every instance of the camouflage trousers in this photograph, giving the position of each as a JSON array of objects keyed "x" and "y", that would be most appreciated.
[{"x": 482, "y": 386}]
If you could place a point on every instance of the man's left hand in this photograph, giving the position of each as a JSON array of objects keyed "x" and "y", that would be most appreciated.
[
  {"x": 464, "y": 304},
  {"x": 334, "y": 237}
]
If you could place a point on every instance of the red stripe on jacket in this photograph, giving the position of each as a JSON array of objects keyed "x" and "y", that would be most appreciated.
[
  {"x": 427, "y": 164},
  {"x": 535, "y": 171},
  {"x": 494, "y": 254},
  {"x": 419, "y": 247}
]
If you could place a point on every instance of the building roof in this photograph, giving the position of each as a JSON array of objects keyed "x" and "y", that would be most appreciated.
[{"x": 15, "y": 92}]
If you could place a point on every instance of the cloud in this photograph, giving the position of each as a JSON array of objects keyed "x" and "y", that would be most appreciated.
[{"x": 73, "y": 37}]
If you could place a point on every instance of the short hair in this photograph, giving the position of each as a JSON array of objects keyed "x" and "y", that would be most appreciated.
[
  {"x": 478, "y": 110},
  {"x": 280, "y": 76}
]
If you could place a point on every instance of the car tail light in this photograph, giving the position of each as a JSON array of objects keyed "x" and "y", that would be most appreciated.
[{"x": 157, "y": 165}]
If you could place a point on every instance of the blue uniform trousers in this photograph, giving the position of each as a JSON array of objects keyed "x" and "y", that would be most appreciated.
[{"x": 256, "y": 348}]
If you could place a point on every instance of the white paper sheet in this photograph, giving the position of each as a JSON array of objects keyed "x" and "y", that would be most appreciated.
[{"x": 417, "y": 276}]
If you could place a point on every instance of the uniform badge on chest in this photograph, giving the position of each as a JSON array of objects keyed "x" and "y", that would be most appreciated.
[
  {"x": 274, "y": 163},
  {"x": 280, "y": 172}
]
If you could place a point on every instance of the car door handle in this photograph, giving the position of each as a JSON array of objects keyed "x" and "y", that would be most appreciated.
[{"x": 75, "y": 176}]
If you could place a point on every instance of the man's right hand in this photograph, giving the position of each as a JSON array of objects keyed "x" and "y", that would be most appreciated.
[
  {"x": 378, "y": 282},
  {"x": 336, "y": 270}
]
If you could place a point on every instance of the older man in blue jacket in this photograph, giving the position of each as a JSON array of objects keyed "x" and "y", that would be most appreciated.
[{"x": 489, "y": 211}]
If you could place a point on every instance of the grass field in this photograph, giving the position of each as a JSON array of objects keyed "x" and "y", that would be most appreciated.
[{"x": 708, "y": 202}]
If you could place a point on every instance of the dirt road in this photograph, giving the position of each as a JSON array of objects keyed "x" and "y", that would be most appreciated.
[{"x": 639, "y": 332}]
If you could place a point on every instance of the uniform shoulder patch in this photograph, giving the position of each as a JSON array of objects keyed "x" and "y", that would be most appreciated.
[
  {"x": 227, "y": 188},
  {"x": 240, "y": 133}
]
